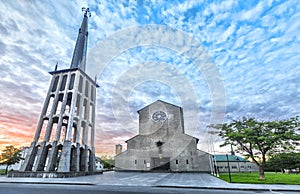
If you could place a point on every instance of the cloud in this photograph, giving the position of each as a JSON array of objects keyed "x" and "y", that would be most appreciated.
[
  {"x": 255, "y": 47},
  {"x": 253, "y": 13}
]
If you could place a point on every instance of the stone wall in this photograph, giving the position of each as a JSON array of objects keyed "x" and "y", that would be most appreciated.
[{"x": 162, "y": 143}]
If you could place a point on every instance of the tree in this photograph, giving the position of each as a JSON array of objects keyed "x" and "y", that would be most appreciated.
[
  {"x": 10, "y": 156},
  {"x": 283, "y": 161},
  {"x": 258, "y": 139},
  {"x": 108, "y": 161}
]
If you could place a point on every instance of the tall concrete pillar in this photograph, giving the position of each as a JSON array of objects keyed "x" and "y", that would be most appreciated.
[{"x": 65, "y": 119}]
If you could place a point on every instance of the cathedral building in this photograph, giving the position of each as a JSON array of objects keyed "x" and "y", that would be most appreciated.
[{"x": 162, "y": 144}]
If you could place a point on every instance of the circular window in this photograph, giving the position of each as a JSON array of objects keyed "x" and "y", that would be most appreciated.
[{"x": 159, "y": 116}]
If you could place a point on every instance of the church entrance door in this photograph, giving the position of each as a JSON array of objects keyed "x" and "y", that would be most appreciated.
[{"x": 160, "y": 164}]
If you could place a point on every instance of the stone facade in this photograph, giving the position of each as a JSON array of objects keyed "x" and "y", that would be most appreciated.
[{"x": 162, "y": 143}]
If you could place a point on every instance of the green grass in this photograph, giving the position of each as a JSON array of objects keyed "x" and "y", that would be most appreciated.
[
  {"x": 270, "y": 178},
  {"x": 2, "y": 172}
]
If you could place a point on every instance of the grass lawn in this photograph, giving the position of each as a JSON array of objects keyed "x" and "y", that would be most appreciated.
[
  {"x": 270, "y": 178},
  {"x": 2, "y": 172}
]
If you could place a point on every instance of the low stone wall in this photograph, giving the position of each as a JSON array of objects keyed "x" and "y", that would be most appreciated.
[{"x": 49, "y": 174}]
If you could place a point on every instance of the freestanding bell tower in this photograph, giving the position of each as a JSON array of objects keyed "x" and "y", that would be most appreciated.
[{"x": 64, "y": 138}]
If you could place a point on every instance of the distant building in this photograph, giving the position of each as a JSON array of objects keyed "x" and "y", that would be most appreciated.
[
  {"x": 162, "y": 144},
  {"x": 236, "y": 164},
  {"x": 118, "y": 149}
]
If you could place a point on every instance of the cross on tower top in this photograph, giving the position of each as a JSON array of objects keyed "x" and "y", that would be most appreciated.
[{"x": 86, "y": 11}]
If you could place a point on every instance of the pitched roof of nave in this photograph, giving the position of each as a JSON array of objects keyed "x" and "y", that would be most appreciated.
[{"x": 137, "y": 136}]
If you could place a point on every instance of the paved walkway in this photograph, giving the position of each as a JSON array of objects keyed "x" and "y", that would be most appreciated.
[{"x": 183, "y": 180}]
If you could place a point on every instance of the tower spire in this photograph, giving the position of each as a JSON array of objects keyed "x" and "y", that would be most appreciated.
[{"x": 79, "y": 54}]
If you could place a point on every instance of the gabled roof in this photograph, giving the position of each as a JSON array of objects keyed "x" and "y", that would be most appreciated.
[
  {"x": 136, "y": 136},
  {"x": 132, "y": 138},
  {"x": 231, "y": 158},
  {"x": 156, "y": 102},
  {"x": 197, "y": 140}
]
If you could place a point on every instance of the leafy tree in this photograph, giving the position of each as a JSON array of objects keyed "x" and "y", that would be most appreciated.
[
  {"x": 10, "y": 156},
  {"x": 107, "y": 161},
  {"x": 258, "y": 139},
  {"x": 283, "y": 161}
]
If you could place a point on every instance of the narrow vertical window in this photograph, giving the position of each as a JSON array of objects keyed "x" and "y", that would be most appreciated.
[
  {"x": 55, "y": 84},
  {"x": 85, "y": 110},
  {"x": 91, "y": 112},
  {"x": 77, "y": 109},
  {"x": 92, "y": 93},
  {"x": 89, "y": 137},
  {"x": 72, "y": 81},
  {"x": 43, "y": 130},
  {"x": 63, "y": 83},
  {"x": 80, "y": 84},
  {"x": 50, "y": 104},
  {"x": 176, "y": 161},
  {"x": 187, "y": 161},
  {"x": 86, "y": 88},
  {"x": 135, "y": 161}
]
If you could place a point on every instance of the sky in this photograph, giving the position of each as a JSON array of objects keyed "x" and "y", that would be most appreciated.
[{"x": 218, "y": 60}]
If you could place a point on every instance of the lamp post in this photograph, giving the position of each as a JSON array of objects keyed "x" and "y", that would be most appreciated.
[
  {"x": 214, "y": 166},
  {"x": 228, "y": 168}
]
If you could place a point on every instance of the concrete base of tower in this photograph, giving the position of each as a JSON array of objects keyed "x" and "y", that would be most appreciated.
[{"x": 50, "y": 174}]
